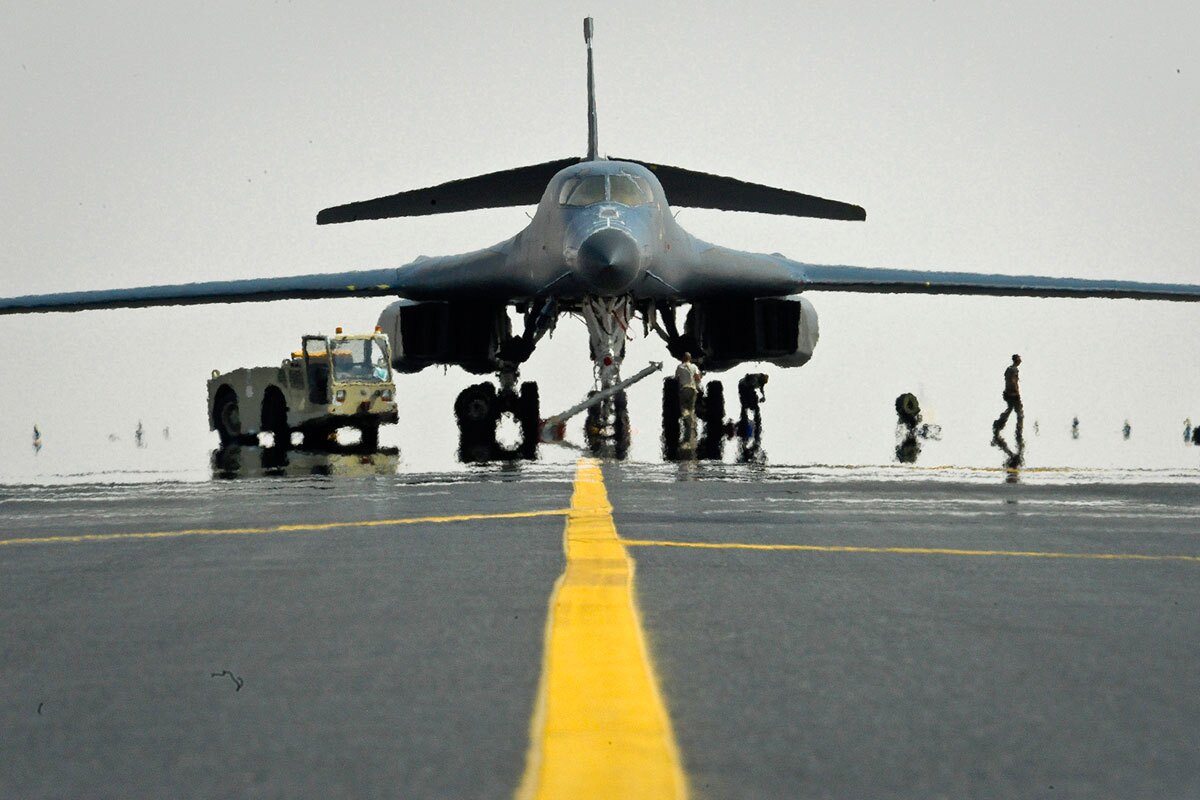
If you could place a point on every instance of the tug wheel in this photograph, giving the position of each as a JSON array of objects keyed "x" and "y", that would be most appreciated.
[
  {"x": 226, "y": 417},
  {"x": 274, "y": 418}
]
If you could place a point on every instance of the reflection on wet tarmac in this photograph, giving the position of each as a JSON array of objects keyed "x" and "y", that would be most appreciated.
[
  {"x": 1013, "y": 460},
  {"x": 235, "y": 461}
]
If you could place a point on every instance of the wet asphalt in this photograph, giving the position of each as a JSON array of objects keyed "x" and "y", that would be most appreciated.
[{"x": 403, "y": 660}]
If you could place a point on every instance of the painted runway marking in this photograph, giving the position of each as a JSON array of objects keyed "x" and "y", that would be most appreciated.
[
  {"x": 600, "y": 728},
  {"x": 921, "y": 551},
  {"x": 291, "y": 528}
]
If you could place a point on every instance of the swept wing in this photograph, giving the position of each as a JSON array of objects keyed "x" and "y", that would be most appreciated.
[
  {"x": 482, "y": 272},
  {"x": 814, "y": 277},
  {"x": 710, "y": 271}
]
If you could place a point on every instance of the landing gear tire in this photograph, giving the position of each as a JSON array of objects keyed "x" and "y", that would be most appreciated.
[
  {"x": 593, "y": 427},
  {"x": 711, "y": 409},
  {"x": 621, "y": 431},
  {"x": 530, "y": 411},
  {"x": 670, "y": 419},
  {"x": 606, "y": 426},
  {"x": 476, "y": 408}
]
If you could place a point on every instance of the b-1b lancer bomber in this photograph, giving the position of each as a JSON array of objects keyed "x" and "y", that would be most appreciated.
[{"x": 602, "y": 243}]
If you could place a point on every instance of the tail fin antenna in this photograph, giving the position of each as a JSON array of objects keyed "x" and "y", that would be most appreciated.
[{"x": 593, "y": 137}]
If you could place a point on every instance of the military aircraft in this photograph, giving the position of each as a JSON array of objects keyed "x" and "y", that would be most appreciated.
[{"x": 604, "y": 244}]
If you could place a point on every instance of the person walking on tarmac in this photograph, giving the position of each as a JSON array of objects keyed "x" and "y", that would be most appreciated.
[
  {"x": 688, "y": 376},
  {"x": 751, "y": 392},
  {"x": 1012, "y": 397}
]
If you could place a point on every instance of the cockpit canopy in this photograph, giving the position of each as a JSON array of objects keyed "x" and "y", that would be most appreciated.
[{"x": 629, "y": 190}]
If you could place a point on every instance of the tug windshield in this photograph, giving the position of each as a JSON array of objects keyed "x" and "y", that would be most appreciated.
[{"x": 360, "y": 360}]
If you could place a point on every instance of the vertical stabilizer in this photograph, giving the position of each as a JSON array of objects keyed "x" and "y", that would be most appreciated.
[{"x": 593, "y": 138}]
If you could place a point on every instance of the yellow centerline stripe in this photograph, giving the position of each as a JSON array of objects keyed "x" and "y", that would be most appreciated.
[
  {"x": 289, "y": 528},
  {"x": 600, "y": 728},
  {"x": 931, "y": 551}
]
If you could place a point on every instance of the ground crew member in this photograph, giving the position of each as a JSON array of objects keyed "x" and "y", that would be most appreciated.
[
  {"x": 1012, "y": 398},
  {"x": 688, "y": 376},
  {"x": 751, "y": 392}
]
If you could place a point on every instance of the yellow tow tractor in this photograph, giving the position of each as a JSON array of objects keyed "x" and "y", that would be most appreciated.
[{"x": 331, "y": 382}]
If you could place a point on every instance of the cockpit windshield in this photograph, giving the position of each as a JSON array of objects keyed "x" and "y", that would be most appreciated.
[
  {"x": 630, "y": 190},
  {"x": 583, "y": 191},
  {"x": 360, "y": 360}
]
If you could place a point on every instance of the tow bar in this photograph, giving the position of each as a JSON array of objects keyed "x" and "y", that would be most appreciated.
[{"x": 554, "y": 428}]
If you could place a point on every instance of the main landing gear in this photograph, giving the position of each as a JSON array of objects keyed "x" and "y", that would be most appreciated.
[
  {"x": 693, "y": 435},
  {"x": 481, "y": 408}
]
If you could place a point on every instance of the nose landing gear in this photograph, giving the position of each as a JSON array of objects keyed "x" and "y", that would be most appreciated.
[{"x": 607, "y": 426}]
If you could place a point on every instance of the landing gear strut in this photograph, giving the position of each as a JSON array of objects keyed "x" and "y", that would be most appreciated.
[{"x": 607, "y": 422}]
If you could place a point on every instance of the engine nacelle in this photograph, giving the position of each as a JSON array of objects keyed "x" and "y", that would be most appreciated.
[
  {"x": 779, "y": 330},
  {"x": 464, "y": 334}
]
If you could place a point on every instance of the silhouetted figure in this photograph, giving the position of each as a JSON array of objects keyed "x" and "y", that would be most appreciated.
[
  {"x": 751, "y": 392},
  {"x": 910, "y": 428},
  {"x": 1187, "y": 431},
  {"x": 1127, "y": 429},
  {"x": 37, "y": 440},
  {"x": 137, "y": 435},
  {"x": 1075, "y": 428},
  {"x": 908, "y": 413},
  {"x": 1012, "y": 399}
]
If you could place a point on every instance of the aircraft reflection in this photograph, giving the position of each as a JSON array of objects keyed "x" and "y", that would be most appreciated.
[
  {"x": 235, "y": 461},
  {"x": 485, "y": 449}
]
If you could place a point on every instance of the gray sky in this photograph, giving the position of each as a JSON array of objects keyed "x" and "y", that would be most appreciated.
[{"x": 146, "y": 145}]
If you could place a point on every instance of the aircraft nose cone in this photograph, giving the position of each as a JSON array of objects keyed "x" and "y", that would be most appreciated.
[{"x": 608, "y": 260}]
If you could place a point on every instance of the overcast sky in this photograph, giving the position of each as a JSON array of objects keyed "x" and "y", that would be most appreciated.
[{"x": 146, "y": 144}]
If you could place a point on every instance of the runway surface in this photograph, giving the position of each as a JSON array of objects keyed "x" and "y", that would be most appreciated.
[{"x": 584, "y": 631}]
